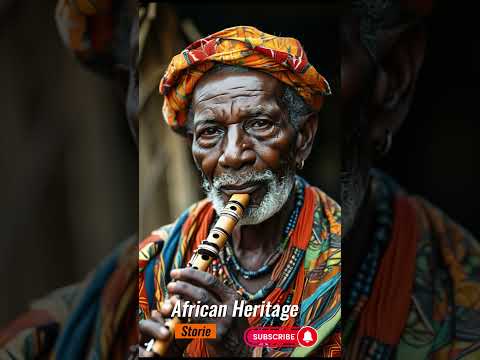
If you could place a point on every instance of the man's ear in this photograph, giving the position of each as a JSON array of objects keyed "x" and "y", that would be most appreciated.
[
  {"x": 396, "y": 75},
  {"x": 305, "y": 137}
]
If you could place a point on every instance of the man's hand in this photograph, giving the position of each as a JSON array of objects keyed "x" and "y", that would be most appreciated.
[
  {"x": 195, "y": 285},
  {"x": 154, "y": 328}
]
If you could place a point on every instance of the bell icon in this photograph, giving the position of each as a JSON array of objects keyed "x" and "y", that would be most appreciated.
[{"x": 307, "y": 337}]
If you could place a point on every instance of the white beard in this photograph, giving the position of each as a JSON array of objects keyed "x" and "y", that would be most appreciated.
[{"x": 275, "y": 198}]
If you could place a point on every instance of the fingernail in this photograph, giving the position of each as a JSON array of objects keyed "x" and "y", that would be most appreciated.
[
  {"x": 164, "y": 331},
  {"x": 171, "y": 286},
  {"x": 174, "y": 273}
]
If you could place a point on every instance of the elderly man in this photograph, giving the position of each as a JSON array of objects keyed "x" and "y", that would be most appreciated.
[
  {"x": 411, "y": 284},
  {"x": 248, "y": 103}
]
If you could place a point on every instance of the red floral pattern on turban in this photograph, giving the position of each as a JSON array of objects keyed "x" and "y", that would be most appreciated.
[{"x": 281, "y": 57}]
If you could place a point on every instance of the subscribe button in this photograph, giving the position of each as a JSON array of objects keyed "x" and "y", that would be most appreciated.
[{"x": 279, "y": 336}]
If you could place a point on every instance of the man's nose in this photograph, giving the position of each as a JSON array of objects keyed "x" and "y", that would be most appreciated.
[{"x": 237, "y": 151}]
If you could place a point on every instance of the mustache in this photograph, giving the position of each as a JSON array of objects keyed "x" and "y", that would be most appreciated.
[{"x": 238, "y": 178}]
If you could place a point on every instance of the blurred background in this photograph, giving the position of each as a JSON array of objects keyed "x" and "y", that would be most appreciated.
[
  {"x": 436, "y": 153},
  {"x": 68, "y": 163}
]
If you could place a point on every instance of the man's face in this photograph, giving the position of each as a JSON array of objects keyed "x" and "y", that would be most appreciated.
[
  {"x": 242, "y": 141},
  {"x": 377, "y": 92},
  {"x": 356, "y": 75}
]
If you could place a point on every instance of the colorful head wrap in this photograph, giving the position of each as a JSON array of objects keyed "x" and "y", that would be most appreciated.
[
  {"x": 282, "y": 58},
  {"x": 97, "y": 32}
]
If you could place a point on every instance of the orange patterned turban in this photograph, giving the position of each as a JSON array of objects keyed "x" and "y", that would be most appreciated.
[
  {"x": 281, "y": 57},
  {"x": 97, "y": 32}
]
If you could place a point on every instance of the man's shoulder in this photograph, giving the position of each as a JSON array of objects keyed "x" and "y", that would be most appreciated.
[
  {"x": 327, "y": 216},
  {"x": 324, "y": 248},
  {"x": 326, "y": 201},
  {"x": 447, "y": 262},
  {"x": 445, "y": 244},
  {"x": 154, "y": 242},
  {"x": 432, "y": 220},
  {"x": 442, "y": 243},
  {"x": 441, "y": 234}
]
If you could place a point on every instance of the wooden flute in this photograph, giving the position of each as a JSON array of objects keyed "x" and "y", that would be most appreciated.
[{"x": 208, "y": 250}]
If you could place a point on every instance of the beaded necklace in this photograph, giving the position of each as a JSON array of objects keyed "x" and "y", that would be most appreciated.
[
  {"x": 234, "y": 265},
  {"x": 227, "y": 266},
  {"x": 363, "y": 280}
]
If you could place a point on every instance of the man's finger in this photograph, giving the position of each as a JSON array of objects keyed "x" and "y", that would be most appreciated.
[
  {"x": 167, "y": 307},
  {"x": 157, "y": 316},
  {"x": 205, "y": 280},
  {"x": 191, "y": 292},
  {"x": 150, "y": 328},
  {"x": 192, "y": 318}
]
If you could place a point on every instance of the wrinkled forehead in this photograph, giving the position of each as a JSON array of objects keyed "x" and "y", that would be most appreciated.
[{"x": 245, "y": 89}]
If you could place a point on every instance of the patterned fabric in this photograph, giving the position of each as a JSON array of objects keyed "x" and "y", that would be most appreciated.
[
  {"x": 425, "y": 298},
  {"x": 96, "y": 319},
  {"x": 283, "y": 58},
  {"x": 97, "y": 32},
  {"x": 315, "y": 286}
]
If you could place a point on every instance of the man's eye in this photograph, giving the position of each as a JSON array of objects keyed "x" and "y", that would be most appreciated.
[
  {"x": 210, "y": 131},
  {"x": 260, "y": 124}
]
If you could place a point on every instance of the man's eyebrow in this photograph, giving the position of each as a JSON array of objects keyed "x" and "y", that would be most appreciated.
[
  {"x": 260, "y": 110},
  {"x": 204, "y": 120}
]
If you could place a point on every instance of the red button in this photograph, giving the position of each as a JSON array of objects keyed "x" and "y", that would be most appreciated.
[
  {"x": 271, "y": 336},
  {"x": 307, "y": 336}
]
